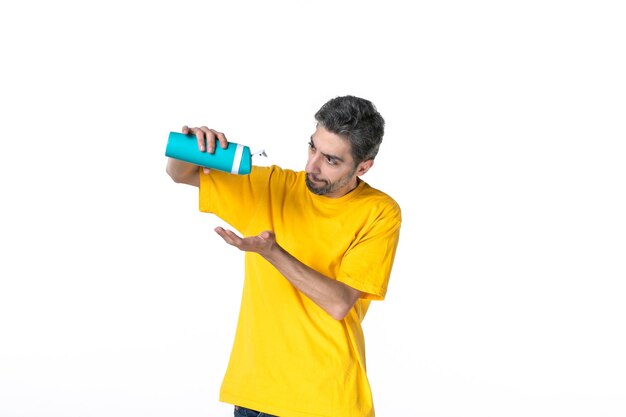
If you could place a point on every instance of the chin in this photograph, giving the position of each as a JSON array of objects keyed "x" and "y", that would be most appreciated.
[{"x": 316, "y": 190}]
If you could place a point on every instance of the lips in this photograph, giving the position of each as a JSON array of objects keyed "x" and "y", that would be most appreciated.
[{"x": 312, "y": 178}]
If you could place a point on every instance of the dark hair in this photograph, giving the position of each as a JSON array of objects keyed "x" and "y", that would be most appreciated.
[{"x": 357, "y": 120}]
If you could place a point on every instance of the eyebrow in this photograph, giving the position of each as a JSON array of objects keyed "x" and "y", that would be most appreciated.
[{"x": 329, "y": 156}]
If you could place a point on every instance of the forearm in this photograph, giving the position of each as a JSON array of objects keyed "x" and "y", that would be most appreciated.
[
  {"x": 334, "y": 297},
  {"x": 182, "y": 172}
]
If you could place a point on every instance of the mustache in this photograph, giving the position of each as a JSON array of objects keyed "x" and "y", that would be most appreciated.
[{"x": 314, "y": 178}]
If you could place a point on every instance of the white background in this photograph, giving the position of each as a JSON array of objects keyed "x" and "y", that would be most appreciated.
[{"x": 505, "y": 147}]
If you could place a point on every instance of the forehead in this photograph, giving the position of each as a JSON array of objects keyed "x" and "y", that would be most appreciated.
[{"x": 331, "y": 143}]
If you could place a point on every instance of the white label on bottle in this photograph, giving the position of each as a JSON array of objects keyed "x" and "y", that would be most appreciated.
[{"x": 237, "y": 160}]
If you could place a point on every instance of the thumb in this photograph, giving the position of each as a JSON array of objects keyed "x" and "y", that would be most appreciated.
[{"x": 266, "y": 235}]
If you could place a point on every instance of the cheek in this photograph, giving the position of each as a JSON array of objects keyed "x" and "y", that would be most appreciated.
[{"x": 334, "y": 174}]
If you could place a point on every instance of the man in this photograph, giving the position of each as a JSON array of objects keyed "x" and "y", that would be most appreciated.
[{"x": 319, "y": 246}]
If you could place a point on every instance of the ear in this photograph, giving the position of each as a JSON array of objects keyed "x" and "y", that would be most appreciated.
[{"x": 364, "y": 167}]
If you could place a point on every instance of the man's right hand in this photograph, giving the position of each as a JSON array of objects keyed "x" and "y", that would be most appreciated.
[
  {"x": 183, "y": 172},
  {"x": 206, "y": 138}
]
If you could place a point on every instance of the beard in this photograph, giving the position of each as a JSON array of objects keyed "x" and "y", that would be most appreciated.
[{"x": 322, "y": 187}]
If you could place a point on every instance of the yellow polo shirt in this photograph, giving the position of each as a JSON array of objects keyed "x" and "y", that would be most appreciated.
[{"x": 290, "y": 358}]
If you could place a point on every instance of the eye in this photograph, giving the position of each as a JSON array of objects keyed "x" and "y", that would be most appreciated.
[
  {"x": 331, "y": 161},
  {"x": 311, "y": 146}
]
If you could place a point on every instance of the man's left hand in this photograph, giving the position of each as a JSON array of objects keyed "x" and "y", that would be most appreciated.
[{"x": 262, "y": 244}]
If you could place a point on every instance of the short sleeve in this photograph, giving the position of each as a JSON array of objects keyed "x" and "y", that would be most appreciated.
[{"x": 367, "y": 264}]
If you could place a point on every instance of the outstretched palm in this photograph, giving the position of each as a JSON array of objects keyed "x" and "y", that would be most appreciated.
[{"x": 262, "y": 244}]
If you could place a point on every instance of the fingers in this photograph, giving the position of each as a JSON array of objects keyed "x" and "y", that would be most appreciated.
[
  {"x": 221, "y": 137},
  {"x": 206, "y": 137},
  {"x": 200, "y": 135},
  {"x": 229, "y": 237},
  {"x": 263, "y": 243},
  {"x": 209, "y": 137}
]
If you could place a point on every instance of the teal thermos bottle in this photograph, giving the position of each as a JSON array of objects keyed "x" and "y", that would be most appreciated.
[{"x": 235, "y": 159}]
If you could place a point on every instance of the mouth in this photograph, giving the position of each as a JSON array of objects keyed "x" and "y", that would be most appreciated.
[
  {"x": 313, "y": 178},
  {"x": 316, "y": 185}
]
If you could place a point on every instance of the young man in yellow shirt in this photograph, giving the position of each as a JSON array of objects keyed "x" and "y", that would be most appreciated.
[{"x": 319, "y": 246}]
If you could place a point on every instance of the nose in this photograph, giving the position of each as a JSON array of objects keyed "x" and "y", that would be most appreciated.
[{"x": 312, "y": 164}]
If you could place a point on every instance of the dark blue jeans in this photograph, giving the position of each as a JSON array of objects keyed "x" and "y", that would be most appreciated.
[{"x": 246, "y": 412}]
